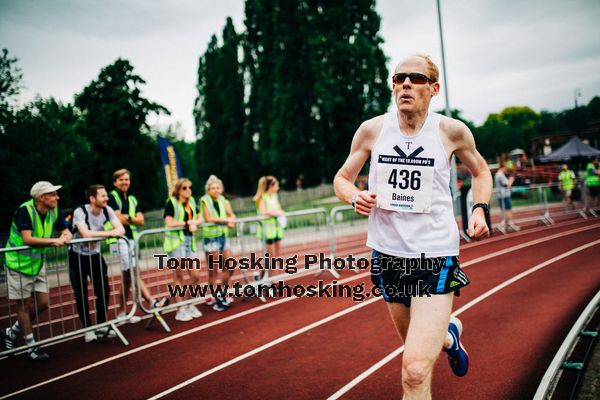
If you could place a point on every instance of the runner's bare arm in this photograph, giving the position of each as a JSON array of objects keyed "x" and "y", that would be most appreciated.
[
  {"x": 463, "y": 145},
  {"x": 360, "y": 151}
]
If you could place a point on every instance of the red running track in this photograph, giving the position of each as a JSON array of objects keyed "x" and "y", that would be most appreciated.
[{"x": 526, "y": 321}]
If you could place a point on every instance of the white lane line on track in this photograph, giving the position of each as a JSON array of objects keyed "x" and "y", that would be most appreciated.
[
  {"x": 462, "y": 309},
  {"x": 527, "y": 244},
  {"x": 264, "y": 347},
  {"x": 522, "y": 233},
  {"x": 251, "y": 311},
  {"x": 303, "y": 273},
  {"x": 172, "y": 337},
  {"x": 397, "y": 351}
]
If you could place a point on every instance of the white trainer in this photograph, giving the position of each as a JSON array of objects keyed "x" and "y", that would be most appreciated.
[
  {"x": 193, "y": 311},
  {"x": 133, "y": 320},
  {"x": 227, "y": 300},
  {"x": 182, "y": 315},
  {"x": 105, "y": 332},
  {"x": 90, "y": 336}
]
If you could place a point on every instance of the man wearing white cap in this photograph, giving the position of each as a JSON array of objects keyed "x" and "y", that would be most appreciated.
[{"x": 33, "y": 225}]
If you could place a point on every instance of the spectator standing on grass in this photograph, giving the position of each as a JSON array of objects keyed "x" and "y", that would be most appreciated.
[
  {"x": 181, "y": 212},
  {"x": 26, "y": 277},
  {"x": 85, "y": 259},
  {"x": 127, "y": 209},
  {"x": 566, "y": 184},
  {"x": 217, "y": 210},
  {"x": 504, "y": 184}
]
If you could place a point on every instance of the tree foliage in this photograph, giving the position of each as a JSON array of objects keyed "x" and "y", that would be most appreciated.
[
  {"x": 11, "y": 79},
  {"x": 223, "y": 147},
  {"x": 516, "y": 126},
  {"x": 76, "y": 145},
  {"x": 314, "y": 70},
  {"x": 45, "y": 144},
  {"x": 114, "y": 113},
  {"x": 511, "y": 128}
]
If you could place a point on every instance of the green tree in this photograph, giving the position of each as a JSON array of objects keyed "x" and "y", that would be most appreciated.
[
  {"x": 316, "y": 71},
  {"x": 114, "y": 121},
  {"x": 351, "y": 78},
  {"x": 44, "y": 144},
  {"x": 239, "y": 153},
  {"x": 259, "y": 63},
  {"x": 593, "y": 109},
  {"x": 209, "y": 150},
  {"x": 11, "y": 79},
  {"x": 224, "y": 148},
  {"x": 512, "y": 127}
]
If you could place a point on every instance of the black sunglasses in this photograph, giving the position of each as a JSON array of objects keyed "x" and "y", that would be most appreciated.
[{"x": 416, "y": 78}]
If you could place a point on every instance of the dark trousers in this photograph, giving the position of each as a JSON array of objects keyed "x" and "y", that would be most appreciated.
[{"x": 80, "y": 267}]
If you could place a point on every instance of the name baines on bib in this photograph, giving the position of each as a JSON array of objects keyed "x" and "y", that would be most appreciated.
[{"x": 405, "y": 183}]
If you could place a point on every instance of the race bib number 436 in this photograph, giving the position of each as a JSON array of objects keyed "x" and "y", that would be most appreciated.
[{"x": 404, "y": 184}]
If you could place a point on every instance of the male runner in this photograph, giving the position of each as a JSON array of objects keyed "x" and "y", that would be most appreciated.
[{"x": 411, "y": 222}]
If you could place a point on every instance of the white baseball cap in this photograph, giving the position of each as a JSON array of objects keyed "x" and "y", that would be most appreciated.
[{"x": 43, "y": 187}]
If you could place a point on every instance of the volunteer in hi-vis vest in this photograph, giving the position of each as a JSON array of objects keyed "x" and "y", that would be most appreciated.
[
  {"x": 566, "y": 183},
  {"x": 127, "y": 209},
  {"x": 216, "y": 209},
  {"x": 592, "y": 181},
  {"x": 411, "y": 220},
  {"x": 181, "y": 212},
  {"x": 33, "y": 224},
  {"x": 267, "y": 205}
]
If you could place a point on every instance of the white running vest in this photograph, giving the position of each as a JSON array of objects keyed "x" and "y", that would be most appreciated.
[{"x": 411, "y": 176}]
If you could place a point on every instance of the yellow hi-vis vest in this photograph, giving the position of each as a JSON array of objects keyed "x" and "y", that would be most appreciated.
[
  {"x": 174, "y": 239},
  {"x": 591, "y": 179},
  {"x": 270, "y": 228},
  {"x": 215, "y": 230},
  {"x": 29, "y": 262},
  {"x": 132, "y": 211},
  {"x": 567, "y": 179}
]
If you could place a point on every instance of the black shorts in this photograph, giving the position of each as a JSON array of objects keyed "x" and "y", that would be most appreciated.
[
  {"x": 399, "y": 278},
  {"x": 271, "y": 241},
  {"x": 594, "y": 191}
]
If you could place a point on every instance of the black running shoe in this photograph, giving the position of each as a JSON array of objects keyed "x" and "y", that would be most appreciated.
[
  {"x": 37, "y": 354},
  {"x": 8, "y": 338}
]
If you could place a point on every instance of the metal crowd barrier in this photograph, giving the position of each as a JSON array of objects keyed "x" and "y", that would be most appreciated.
[
  {"x": 538, "y": 209},
  {"x": 313, "y": 230},
  {"x": 304, "y": 229},
  {"x": 559, "y": 363},
  {"x": 581, "y": 205},
  {"x": 148, "y": 244},
  {"x": 60, "y": 319},
  {"x": 347, "y": 228}
]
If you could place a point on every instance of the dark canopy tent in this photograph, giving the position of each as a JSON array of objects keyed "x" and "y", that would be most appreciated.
[{"x": 573, "y": 150}]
